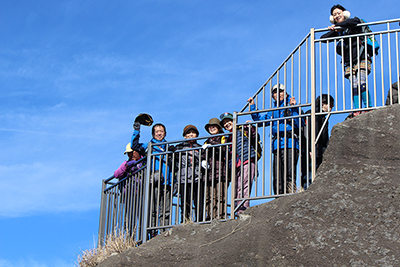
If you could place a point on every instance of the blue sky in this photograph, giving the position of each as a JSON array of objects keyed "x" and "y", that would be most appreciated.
[{"x": 74, "y": 74}]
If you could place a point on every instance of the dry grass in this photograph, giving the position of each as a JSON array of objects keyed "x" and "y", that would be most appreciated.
[{"x": 116, "y": 242}]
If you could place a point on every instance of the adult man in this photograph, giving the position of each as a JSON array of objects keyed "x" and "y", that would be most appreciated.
[
  {"x": 285, "y": 140},
  {"x": 160, "y": 179}
]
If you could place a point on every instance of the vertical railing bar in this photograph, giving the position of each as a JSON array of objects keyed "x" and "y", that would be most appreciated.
[
  {"x": 389, "y": 58},
  {"x": 382, "y": 74},
  {"x": 313, "y": 150}
]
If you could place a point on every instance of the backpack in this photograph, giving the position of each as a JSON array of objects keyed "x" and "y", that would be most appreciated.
[
  {"x": 253, "y": 138},
  {"x": 372, "y": 44}
]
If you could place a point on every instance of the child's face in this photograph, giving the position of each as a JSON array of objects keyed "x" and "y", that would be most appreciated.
[
  {"x": 191, "y": 134},
  {"x": 228, "y": 124},
  {"x": 213, "y": 129},
  {"x": 159, "y": 133}
]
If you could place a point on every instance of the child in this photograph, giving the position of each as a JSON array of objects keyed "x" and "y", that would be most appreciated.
[
  {"x": 215, "y": 165},
  {"x": 245, "y": 162},
  {"x": 188, "y": 166}
]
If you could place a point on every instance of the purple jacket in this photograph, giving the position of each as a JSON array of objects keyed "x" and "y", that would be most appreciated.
[{"x": 121, "y": 172}]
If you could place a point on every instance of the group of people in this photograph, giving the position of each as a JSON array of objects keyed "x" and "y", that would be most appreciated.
[
  {"x": 201, "y": 174},
  {"x": 198, "y": 174}
]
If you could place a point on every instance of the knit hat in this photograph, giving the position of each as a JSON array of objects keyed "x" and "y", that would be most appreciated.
[
  {"x": 276, "y": 86},
  {"x": 188, "y": 128},
  {"x": 214, "y": 122}
]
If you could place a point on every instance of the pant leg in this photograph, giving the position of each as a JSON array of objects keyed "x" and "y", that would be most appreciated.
[
  {"x": 292, "y": 156},
  {"x": 244, "y": 183},
  {"x": 198, "y": 199},
  {"x": 165, "y": 205}
]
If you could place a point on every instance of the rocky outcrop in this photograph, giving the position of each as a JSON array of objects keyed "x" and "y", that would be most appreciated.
[{"x": 349, "y": 216}]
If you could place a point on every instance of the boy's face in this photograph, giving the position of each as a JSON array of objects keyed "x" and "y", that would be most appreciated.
[
  {"x": 228, "y": 124},
  {"x": 191, "y": 134},
  {"x": 213, "y": 129},
  {"x": 159, "y": 133}
]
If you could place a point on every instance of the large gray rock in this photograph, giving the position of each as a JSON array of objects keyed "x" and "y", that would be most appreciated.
[{"x": 349, "y": 216}]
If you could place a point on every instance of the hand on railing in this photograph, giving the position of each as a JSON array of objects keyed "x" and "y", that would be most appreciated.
[
  {"x": 292, "y": 101},
  {"x": 251, "y": 101}
]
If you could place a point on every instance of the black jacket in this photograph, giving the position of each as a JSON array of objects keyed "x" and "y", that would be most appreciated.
[{"x": 353, "y": 44}]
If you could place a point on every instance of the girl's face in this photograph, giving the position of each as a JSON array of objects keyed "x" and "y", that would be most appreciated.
[
  {"x": 213, "y": 129},
  {"x": 228, "y": 124},
  {"x": 338, "y": 15}
]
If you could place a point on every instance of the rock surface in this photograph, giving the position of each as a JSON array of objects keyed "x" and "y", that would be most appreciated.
[{"x": 349, "y": 216}]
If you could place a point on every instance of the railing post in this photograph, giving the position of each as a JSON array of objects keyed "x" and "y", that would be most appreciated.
[
  {"x": 103, "y": 208},
  {"x": 233, "y": 174},
  {"x": 146, "y": 198},
  {"x": 313, "y": 89}
]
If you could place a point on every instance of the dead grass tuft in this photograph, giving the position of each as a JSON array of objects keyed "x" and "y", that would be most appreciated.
[{"x": 116, "y": 242}]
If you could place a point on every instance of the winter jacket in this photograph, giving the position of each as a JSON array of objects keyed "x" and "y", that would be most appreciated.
[
  {"x": 350, "y": 28},
  {"x": 395, "y": 94},
  {"x": 281, "y": 113},
  {"x": 216, "y": 167},
  {"x": 323, "y": 140},
  {"x": 188, "y": 160},
  {"x": 127, "y": 166},
  {"x": 164, "y": 159},
  {"x": 242, "y": 142}
]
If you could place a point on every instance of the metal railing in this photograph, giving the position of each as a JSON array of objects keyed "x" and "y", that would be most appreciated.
[
  {"x": 273, "y": 155},
  {"x": 189, "y": 183}
]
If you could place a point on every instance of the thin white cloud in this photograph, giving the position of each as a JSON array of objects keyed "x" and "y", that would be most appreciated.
[{"x": 42, "y": 188}]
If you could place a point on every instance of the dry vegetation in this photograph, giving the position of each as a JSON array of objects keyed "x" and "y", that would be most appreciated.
[{"x": 115, "y": 243}]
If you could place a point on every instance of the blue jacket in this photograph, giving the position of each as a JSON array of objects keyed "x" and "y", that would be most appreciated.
[
  {"x": 166, "y": 168},
  {"x": 280, "y": 113}
]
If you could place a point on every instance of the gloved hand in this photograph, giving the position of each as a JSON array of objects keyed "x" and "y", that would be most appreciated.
[
  {"x": 204, "y": 164},
  {"x": 136, "y": 126},
  {"x": 205, "y": 146}
]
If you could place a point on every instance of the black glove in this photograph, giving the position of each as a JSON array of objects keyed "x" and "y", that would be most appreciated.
[{"x": 136, "y": 126}]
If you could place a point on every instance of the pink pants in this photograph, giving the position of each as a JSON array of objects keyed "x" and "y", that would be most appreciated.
[{"x": 243, "y": 189}]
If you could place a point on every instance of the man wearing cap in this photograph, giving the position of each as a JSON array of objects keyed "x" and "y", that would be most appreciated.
[
  {"x": 188, "y": 166},
  {"x": 285, "y": 139}
]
